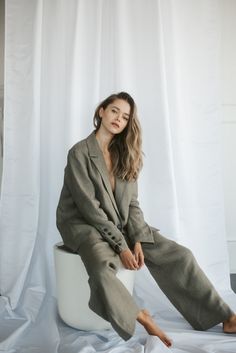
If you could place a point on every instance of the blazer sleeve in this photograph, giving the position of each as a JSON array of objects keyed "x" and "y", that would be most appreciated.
[
  {"x": 138, "y": 230},
  {"x": 83, "y": 193}
]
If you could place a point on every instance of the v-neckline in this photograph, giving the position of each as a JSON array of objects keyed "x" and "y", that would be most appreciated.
[{"x": 107, "y": 171}]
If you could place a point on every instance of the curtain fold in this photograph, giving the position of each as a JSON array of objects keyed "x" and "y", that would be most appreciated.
[{"x": 62, "y": 58}]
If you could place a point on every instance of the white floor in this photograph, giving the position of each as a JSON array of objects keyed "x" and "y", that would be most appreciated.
[{"x": 36, "y": 328}]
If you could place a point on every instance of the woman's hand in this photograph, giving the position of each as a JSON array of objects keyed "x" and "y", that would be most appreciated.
[
  {"x": 138, "y": 254},
  {"x": 128, "y": 260}
]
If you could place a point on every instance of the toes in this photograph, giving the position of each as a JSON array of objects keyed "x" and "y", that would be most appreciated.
[{"x": 168, "y": 342}]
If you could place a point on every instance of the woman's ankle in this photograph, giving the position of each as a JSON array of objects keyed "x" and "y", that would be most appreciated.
[
  {"x": 143, "y": 316},
  {"x": 229, "y": 325}
]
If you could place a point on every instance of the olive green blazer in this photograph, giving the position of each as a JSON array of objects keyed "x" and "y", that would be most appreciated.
[{"x": 87, "y": 203}]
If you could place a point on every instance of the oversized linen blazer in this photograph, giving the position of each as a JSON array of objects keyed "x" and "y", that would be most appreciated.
[{"x": 87, "y": 203}]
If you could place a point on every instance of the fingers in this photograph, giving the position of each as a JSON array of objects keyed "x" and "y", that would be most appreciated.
[
  {"x": 136, "y": 255},
  {"x": 139, "y": 257},
  {"x": 141, "y": 260},
  {"x": 135, "y": 265},
  {"x": 131, "y": 263},
  {"x": 128, "y": 260}
]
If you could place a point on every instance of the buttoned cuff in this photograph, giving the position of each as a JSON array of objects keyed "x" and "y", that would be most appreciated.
[{"x": 114, "y": 237}]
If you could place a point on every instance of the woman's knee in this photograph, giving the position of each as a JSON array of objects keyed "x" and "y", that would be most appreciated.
[{"x": 103, "y": 271}]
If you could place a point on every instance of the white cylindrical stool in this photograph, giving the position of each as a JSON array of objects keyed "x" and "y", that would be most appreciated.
[{"x": 73, "y": 290}]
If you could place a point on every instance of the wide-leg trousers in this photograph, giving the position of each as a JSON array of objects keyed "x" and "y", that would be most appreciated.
[{"x": 175, "y": 270}]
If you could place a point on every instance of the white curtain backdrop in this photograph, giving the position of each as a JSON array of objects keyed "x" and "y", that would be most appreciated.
[{"x": 62, "y": 58}]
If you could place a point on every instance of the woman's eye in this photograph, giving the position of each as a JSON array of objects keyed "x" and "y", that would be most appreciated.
[{"x": 114, "y": 111}]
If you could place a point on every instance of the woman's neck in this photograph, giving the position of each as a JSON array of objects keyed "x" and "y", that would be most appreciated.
[{"x": 103, "y": 139}]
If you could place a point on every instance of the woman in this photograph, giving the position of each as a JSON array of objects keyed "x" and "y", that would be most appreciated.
[{"x": 99, "y": 217}]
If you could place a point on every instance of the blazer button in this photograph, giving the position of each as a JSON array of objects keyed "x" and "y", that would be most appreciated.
[{"x": 105, "y": 229}]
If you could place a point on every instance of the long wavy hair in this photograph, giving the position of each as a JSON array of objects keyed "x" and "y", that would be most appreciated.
[{"x": 125, "y": 148}]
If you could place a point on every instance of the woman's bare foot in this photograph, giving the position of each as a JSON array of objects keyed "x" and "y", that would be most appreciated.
[
  {"x": 229, "y": 326},
  {"x": 145, "y": 319}
]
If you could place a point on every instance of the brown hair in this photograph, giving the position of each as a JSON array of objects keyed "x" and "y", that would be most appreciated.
[{"x": 125, "y": 148}]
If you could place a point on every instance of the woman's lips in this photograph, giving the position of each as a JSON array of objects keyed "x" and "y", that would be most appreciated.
[{"x": 114, "y": 124}]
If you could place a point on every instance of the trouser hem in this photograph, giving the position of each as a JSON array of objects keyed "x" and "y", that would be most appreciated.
[
  {"x": 124, "y": 329},
  {"x": 212, "y": 323}
]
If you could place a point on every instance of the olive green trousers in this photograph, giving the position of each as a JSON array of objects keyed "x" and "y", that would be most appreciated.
[{"x": 173, "y": 267}]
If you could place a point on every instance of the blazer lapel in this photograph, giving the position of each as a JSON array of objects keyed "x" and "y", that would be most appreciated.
[
  {"x": 98, "y": 159},
  {"x": 119, "y": 190}
]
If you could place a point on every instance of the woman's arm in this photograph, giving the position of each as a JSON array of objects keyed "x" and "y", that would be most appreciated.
[
  {"x": 138, "y": 230},
  {"x": 83, "y": 193}
]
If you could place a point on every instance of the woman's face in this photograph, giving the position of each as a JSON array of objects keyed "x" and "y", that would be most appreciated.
[{"x": 115, "y": 116}]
